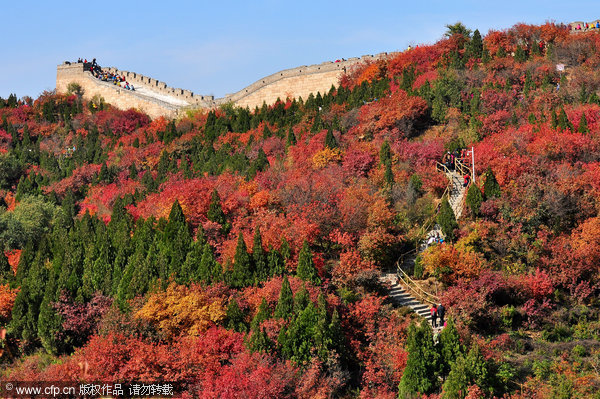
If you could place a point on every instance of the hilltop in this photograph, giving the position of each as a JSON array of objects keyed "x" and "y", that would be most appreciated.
[{"x": 239, "y": 252}]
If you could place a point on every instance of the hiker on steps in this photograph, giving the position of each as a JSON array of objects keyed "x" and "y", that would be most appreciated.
[
  {"x": 434, "y": 315},
  {"x": 441, "y": 310},
  {"x": 466, "y": 180}
]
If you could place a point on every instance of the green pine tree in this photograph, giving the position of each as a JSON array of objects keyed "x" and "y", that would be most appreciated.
[
  {"x": 520, "y": 55},
  {"x": 491, "y": 188},
  {"x": 389, "y": 176},
  {"x": 276, "y": 263},
  {"x": 450, "y": 346},
  {"x": 447, "y": 220},
  {"x": 298, "y": 340},
  {"x": 285, "y": 304},
  {"x": 6, "y": 273},
  {"x": 209, "y": 270},
  {"x": 301, "y": 300},
  {"x": 385, "y": 153},
  {"x": 563, "y": 121},
  {"x": 235, "y": 318},
  {"x": 554, "y": 120},
  {"x": 263, "y": 313},
  {"x": 291, "y": 138},
  {"x": 420, "y": 373},
  {"x": 474, "y": 199},
  {"x": 330, "y": 140},
  {"x": 475, "y": 49},
  {"x": 242, "y": 274},
  {"x": 457, "y": 383},
  {"x": 285, "y": 250},
  {"x": 259, "y": 257},
  {"x": 190, "y": 269},
  {"x": 583, "y": 125},
  {"x": 259, "y": 341},
  {"x": 215, "y": 212},
  {"x": 306, "y": 269}
]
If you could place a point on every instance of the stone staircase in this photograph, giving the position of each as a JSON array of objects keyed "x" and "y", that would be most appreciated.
[
  {"x": 401, "y": 297},
  {"x": 399, "y": 293},
  {"x": 457, "y": 193}
]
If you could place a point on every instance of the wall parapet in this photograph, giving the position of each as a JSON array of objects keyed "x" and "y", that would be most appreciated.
[
  {"x": 162, "y": 88},
  {"x": 327, "y": 66},
  {"x": 580, "y": 26},
  {"x": 296, "y": 82}
]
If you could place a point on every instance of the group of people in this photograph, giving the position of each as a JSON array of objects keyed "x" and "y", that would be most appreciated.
[
  {"x": 586, "y": 26},
  {"x": 435, "y": 239},
  {"x": 438, "y": 311},
  {"x": 450, "y": 158},
  {"x": 105, "y": 76}
]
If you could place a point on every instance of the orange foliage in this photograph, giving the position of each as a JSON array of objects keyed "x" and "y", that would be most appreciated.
[
  {"x": 326, "y": 156},
  {"x": 450, "y": 264},
  {"x": 9, "y": 198},
  {"x": 7, "y": 300},
  {"x": 380, "y": 214},
  {"x": 14, "y": 257},
  {"x": 259, "y": 200},
  {"x": 182, "y": 310},
  {"x": 399, "y": 110},
  {"x": 370, "y": 72},
  {"x": 351, "y": 263}
]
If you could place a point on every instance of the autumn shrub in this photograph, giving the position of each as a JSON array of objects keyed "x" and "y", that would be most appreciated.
[{"x": 182, "y": 310}]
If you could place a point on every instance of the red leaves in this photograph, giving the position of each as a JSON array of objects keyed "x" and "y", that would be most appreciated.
[
  {"x": 395, "y": 111},
  {"x": 7, "y": 300},
  {"x": 14, "y": 257}
]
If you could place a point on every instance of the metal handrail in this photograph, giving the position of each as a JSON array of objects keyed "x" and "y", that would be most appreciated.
[
  {"x": 415, "y": 288},
  {"x": 410, "y": 284}
]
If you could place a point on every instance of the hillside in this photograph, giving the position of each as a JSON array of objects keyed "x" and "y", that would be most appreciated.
[{"x": 238, "y": 252}]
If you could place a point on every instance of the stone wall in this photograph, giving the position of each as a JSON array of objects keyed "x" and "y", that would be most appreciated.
[
  {"x": 162, "y": 88},
  {"x": 168, "y": 101},
  {"x": 116, "y": 96},
  {"x": 295, "y": 82},
  {"x": 580, "y": 26}
]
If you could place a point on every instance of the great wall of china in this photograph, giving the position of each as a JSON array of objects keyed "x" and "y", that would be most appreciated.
[{"x": 156, "y": 98}]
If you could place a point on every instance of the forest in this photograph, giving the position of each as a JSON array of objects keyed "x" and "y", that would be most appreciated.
[{"x": 238, "y": 252}]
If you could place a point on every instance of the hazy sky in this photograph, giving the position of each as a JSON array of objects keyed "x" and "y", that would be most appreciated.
[{"x": 218, "y": 47}]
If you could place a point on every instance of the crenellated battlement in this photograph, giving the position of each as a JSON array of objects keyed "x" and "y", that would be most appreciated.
[
  {"x": 157, "y": 98},
  {"x": 580, "y": 26}
]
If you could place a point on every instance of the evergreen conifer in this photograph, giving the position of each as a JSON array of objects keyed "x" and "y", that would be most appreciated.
[
  {"x": 491, "y": 188},
  {"x": 583, "y": 125},
  {"x": 306, "y": 268},
  {"x": 474, "y": 199},
  {"x": 242, "y": 274},
  {"x": 447, "y": 220},
  {"x": 259, "y": 257},
  {"x": 330, "y": 141},
  {"x": 563, "y": 121},
  {"x": 235, "y": 317},
  {"x": 285, "y": 304},
  {"x": 420, "y": 373}
]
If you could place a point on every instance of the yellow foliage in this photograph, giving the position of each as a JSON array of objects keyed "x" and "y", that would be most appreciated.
[
  {"x": 449, "y": 264},
  {"x": 182, "y": 310},
  {"x": 325, "y": 157},
  {"x": 380, "y": 214}
]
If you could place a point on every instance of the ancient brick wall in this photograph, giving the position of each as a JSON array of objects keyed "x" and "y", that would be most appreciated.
[{"x": 293, "y": 83}]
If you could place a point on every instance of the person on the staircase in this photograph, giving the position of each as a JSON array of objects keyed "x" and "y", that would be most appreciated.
[
  {"x": 466, "y": 179},
  {"x": 434, "y": 316},
  {"x": 441, "y": 310}
]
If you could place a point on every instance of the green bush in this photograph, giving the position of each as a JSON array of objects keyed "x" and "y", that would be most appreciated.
[
  {"x": 447, "y": 220},
  {"x": 418, "y": 269},
  {"x": 557, "y": 333},
  {"x": 579, "y": 350},
  {"x": 541, "y": 369}
]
